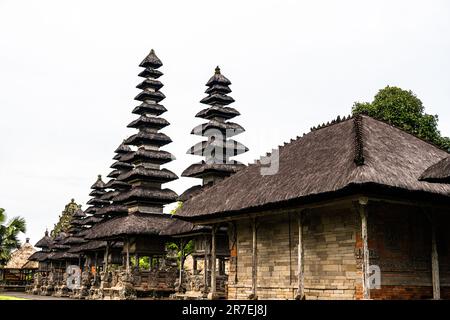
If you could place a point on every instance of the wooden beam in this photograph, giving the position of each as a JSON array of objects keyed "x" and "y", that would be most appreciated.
[
  {"x": 362, "y": 202},
  {"x": 254, "y": 260},
  {"x": 213, "y": 293},
  {"x": 300, "y": 263},
  {"x": 435, "y": 262}
]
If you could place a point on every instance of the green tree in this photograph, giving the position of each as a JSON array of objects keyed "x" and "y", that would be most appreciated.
[
  {"x": 403, "y": 109},
  {"x": 182, "y": 249},
  {"x": 9, "y": 235},
  {"x": 65, "y": 218}
]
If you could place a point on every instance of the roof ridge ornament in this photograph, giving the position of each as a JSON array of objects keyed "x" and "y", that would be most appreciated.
[{"x": 359, "y": 143}]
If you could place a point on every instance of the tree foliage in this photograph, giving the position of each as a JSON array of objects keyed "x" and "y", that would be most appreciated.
[
  {"x": 9, "y": 235},
  {"x": 65, "y": 218},
  {"x": 403, "y": 109},
  {"x": 182, "y": 250}
]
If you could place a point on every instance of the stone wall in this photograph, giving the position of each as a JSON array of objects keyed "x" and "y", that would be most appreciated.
[
  {"x": 399, "y": 243},
  {"x": 329, "y": 246}
]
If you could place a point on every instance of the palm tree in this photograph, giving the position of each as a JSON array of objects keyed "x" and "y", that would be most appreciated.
[{"x": 8, "y": 235}]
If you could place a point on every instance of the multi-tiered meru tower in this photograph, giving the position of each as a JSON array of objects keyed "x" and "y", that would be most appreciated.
[
  {"x": 218, "y": 149},
  {"x": 137, "y": 177},
  {"x": 146, "y": 177}
]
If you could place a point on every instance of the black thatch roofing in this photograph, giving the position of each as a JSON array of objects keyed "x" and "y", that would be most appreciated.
[
  {"x": 230, "y": 147},
  {"x": 155, "y": 195},
  {"x": 220, "y": 99},
  {"x": 227, "y": 129},
  {"x": 150, "y": 95},
  {"x": 72, "y": 240},
  {"x": 150, "y": 72},
  {"x": 96, "y": 193},
  {"x": 322, "y": 163},
  {"x": 62, "y": 255},
  {"x": 153, "y": 156},
  {"x": 79, "y": 214},
  {"x": 121, "y": 165},
  {"x": 218, "y": 78},
  {"x": 122, "y": 148},
  {"x": 151, "y": 61},
  {"x": 190, "y": 192},
  {"x": 38, "y": 256},
  {"x": 45, "y": 242},
  {"x": 109, "y": 195},
  {"x": 97, "y": 202},
  {"x": 150, "y": 83},
  {"x": 77, "y": 222},
  {"x": 149, "y": 122},
  {"x": 115, "y": 173},
  {"x": 178, "y": 227},
  {"x": 160, "y": 139},
  {"x": 152, "y": 108},
  {"x": 217, "y": 111},
  {"x": 93, "y": 245},
  {"x": 116, "y": 184},
  {"x": 140, "y": 172},
  {"x": 131, "y": 224},
  {"x": 91, "y": 220},
  {"x": 202, "y": 168},
  {"x": 113, "y": 209},
  {"x": 99, "y": 184},
  {"x": 439, "y": 172}
]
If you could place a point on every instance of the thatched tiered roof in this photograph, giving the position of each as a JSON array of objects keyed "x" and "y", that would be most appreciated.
[
  {"x": 141, "y": 204},
  {"x": 20, "y": 258},
  {"x": 145, "y": 174},
  {"x": 115, "y": 185},
  {"x": 218, "y": 149},
  {"x": 45, "y": 243},
  {"x": 359, "y": 154},
  {"x": 130, "y": 225}
]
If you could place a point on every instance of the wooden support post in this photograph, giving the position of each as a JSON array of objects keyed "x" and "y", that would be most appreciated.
[
  {"x": 213, "y": 294},
  {"x": 365, "y": 240},
  {"x": 194, "y": 265},
  {"x": 105, "y": 260},
  {"x": 96, "y": 262},
  {"x": 206, "y": 264},
  {"x": 435, "y": 262},
  {"x": 180, "y": 279},
  {"x": 136, "y": 261},
  {"x": 127, "y": 262},
  {"x": 300, "y": 274},
  {"x": 254, "y": 260}
]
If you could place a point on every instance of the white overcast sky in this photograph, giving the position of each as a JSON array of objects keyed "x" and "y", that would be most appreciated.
[{"x": 68, "y": 71}]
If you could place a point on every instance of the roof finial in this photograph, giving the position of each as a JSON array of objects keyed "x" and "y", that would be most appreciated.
[
  {"x": 46, "y": 232},
  {"x": 152, "y": 51},
  {"x": 99, "y": 176},
  {"x": 217, "y": 71},
  {"x": 72, "y": 200}
]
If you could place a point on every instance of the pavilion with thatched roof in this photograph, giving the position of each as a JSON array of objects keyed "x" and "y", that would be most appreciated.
[
  {"x": 18, "y": 272},
  {"x": 355, "y": 209}
]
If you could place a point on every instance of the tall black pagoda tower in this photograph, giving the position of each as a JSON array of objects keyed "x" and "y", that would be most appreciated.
[
  {"x": 146, "y": 176},
  {"x": 219, "y": 147}
]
